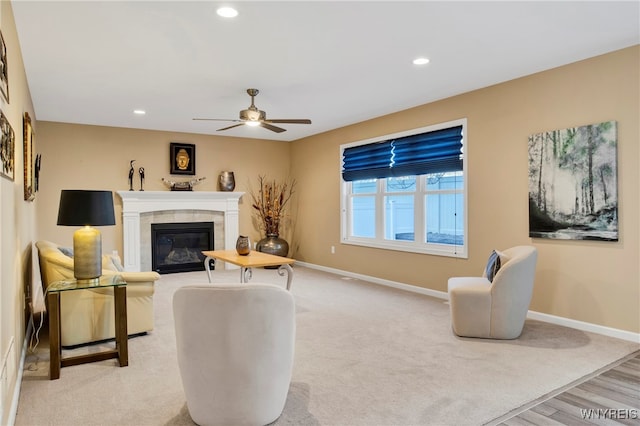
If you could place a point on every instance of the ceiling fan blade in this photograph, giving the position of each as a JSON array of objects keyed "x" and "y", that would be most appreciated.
[
  {"x": 290, "y": 121},
  {"x": 216, "y": 119},
  {"x": 272, "y": 128},
  {"x": 230, "y": 127}
]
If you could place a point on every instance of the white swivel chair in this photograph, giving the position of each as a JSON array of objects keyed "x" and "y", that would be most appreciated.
[
  {"x": 235, "y": 347},
  {"x": 495, "y": 309}
]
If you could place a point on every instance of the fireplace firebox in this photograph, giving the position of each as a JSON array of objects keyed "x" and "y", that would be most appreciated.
[{"x": 177, "y": 247}]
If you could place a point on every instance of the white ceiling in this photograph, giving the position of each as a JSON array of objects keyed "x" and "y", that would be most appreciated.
[{"x": 334, "y": 62}]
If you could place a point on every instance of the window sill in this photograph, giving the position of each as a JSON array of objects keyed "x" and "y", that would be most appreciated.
[{"x": 410, "y": 247}]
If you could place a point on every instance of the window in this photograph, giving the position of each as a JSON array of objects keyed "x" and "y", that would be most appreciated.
[{"x": 407, "y": 191}]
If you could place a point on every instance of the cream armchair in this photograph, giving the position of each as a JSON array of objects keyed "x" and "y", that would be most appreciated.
[
  {"x": 235, "y": 346},
  {"x": 498, "y": 309},
  {"x": 87, "y": 315}
]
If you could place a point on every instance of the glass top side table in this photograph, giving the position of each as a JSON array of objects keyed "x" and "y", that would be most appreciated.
[
  {"x": 121, "y": 351},
  {"x": 73, "y": 284}
]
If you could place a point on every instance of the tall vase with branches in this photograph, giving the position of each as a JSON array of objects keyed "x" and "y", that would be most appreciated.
[{"x": 270, "y": 202}]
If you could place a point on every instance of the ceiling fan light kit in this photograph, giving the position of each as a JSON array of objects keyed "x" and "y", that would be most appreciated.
[{"x": 254, "y": 117}]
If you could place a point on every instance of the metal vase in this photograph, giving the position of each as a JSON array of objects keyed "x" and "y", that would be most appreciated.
[
  {"x": 226, "y": 181},
  {"x": 273, "y": 244},
  {"x": 243, "y": 245}
]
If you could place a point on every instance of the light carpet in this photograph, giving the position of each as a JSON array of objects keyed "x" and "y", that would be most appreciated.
[{"x": 365, "y": 355}]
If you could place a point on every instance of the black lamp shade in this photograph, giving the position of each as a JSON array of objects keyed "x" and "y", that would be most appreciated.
[{"x": 81, "y": 208}]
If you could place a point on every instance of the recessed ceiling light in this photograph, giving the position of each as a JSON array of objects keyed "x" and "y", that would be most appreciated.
[
  {"x": 139, "y": 112},
  {"x": 227, "y": 12},
  {"x": 420, "y": 61}
]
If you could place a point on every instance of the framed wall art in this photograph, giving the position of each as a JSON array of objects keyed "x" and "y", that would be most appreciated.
[
  {"x": 7, "y": 148},
  {"x": 36, "y": 172},
  {"x": 29, "y": 185},
  {"x": 4, "y": 76},
  {"x": 182, "y": 157},
  {"x": 573, "y": 187}
]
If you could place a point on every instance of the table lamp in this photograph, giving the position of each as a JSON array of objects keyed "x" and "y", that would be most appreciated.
[{"x": 86, "y": 209}]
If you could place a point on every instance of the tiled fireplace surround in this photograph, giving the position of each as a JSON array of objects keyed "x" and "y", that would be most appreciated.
[{"x": 142, "y": 208}]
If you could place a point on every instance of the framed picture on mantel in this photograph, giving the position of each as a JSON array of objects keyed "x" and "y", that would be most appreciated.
[{"x": 182, "y": 157}]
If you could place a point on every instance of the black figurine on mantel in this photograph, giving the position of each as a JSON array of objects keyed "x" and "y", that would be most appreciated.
[
  {"x": 141, "y": 171},
  {"x": 131, "y": 172}
]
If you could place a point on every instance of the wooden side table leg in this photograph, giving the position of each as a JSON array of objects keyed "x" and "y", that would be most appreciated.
[
  {"x": 55, "y": 349},
  {"x": 122, "y": 342}
]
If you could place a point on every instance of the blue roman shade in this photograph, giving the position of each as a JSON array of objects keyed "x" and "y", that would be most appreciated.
[
  {"x": 431, "y": 152},
  {"x": 366, "y": 161}
]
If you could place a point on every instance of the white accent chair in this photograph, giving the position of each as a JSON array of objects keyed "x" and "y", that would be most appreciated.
[
  {"x": 498, "y": 309},
  {"x": 235, "y": 347}
]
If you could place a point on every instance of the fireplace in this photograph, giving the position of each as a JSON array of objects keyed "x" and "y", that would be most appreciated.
[
  {"x": 177, "y": 247},
  {"x": 142, "y": 208}
]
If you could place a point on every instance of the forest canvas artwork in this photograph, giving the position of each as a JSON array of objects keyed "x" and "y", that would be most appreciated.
[{"x": 573, "y": 190}]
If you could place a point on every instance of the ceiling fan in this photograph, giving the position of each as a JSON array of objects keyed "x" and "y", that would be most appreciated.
[{"x": 252, "y": 116}]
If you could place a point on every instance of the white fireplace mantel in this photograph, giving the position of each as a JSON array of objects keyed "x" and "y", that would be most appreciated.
[{"x": 136, "y": 202}]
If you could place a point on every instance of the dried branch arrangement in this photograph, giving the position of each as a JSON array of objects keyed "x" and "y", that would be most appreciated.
[{"x": 270, "y": 201}]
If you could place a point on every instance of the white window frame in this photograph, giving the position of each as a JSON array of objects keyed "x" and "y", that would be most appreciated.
[{"x": 449, "y": 250}]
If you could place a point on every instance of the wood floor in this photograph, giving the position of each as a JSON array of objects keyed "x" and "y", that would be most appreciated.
[{"x": 612, "y": 397}]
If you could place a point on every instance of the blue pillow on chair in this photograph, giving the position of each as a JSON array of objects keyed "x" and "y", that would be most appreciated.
[
  {"x": 493, "y": 265},
  {"x": 67, "y": 251}
]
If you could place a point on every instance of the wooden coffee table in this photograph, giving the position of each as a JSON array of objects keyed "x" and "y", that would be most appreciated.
[{"x": 254, "y": 259}]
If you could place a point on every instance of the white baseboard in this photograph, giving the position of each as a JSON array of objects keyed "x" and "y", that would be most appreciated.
[
  {"x": 552, "y": 319},
  {"x": 585, "y": 326},
  {"x": 408, "y": 287},
  {"x": 16, "y": 390}
]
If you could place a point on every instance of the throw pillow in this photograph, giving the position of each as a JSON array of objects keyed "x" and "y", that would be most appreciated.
[
  {"x": 67, "y": 251},
  {"x": 111, "y": 263},
  {"x": 493, "y": 265},
  {"x": 116, "y": 263}
]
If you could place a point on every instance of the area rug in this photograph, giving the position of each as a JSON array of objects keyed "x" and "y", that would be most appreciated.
[{"x": 365, "y": 355}]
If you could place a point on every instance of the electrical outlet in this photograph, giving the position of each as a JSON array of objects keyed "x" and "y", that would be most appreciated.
[{"x": 333, "y": 249}]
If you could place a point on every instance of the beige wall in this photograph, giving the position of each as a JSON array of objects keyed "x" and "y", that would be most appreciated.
[
  {"x": 94, "y": 157},
  {"x": 17, "y": 223},
  {"x": 595, "y": 282}
]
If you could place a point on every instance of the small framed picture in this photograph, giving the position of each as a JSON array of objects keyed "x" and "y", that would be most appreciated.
[
  {"x": 182, "y": 157},
  {"x": 4, "y": 77},
  {"x": 29, "y": 186},
  {"x": 7, "y": 148}
]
